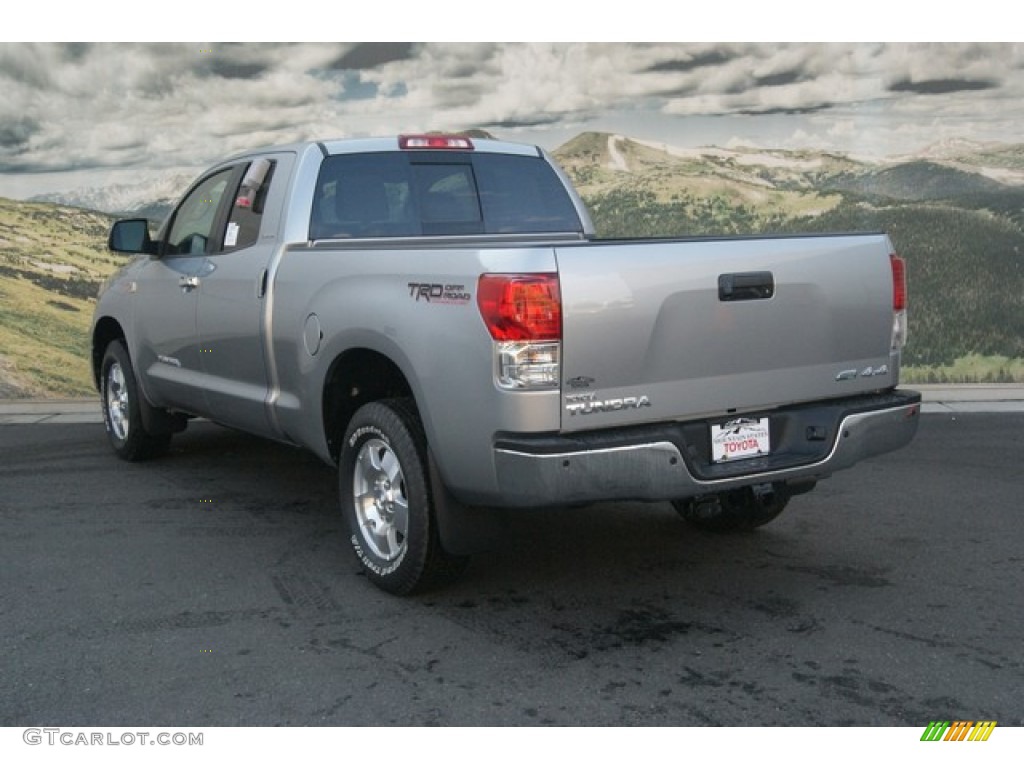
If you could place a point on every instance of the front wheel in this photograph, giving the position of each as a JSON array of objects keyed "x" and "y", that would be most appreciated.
[
  {"x": 742, "y": 509},
  {"x": 122, "y": 408},
  {"x": 387, "y": 500}
]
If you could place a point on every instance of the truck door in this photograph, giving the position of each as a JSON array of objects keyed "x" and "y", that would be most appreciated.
[
  {"x": 167, "y": 289},
  {"x": 232, "y": 295}
]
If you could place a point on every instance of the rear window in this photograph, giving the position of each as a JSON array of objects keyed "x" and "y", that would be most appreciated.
[{"x": 390, "y": 194}]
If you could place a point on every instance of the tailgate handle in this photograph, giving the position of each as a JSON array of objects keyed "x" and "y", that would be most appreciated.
[{"x": 746, "y": 286}]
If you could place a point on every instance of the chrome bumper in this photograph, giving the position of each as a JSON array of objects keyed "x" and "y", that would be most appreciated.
[{"x": 657, "y": 470}]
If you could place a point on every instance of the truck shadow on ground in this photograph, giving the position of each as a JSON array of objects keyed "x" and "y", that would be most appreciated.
[
  {"x": 649, "y": 573},
  {"x": 597, "y": 548}
]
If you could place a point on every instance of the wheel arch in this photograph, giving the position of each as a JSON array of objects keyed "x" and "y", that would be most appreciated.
[
  {"x": 106, "y": 330},
  {"x": 156, "y": 420},
  {"x": 362, "y": 375},
  {"x": 355, "y": 377}
]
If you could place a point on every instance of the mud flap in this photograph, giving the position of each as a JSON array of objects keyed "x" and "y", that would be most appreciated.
[
  {"x": 157, "y": 421},
  {"x": 463, "y": 530}
]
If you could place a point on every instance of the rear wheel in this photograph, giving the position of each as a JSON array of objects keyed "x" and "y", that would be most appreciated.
[
  {"x": 387, "y": 500},
  {"x": 122, "y": 404},
  {"x": 742, "y": 509}
]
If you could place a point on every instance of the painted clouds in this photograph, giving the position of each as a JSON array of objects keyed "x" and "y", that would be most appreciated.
[{"x": 73, "y": 106}]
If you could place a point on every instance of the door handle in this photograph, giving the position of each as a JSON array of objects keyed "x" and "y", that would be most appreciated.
[
  {"x": 746, "y": 286},
  {"x": 188, "y": 282}
]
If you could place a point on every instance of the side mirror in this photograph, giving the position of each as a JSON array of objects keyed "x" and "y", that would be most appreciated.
[{"x": 131, "y": 236}]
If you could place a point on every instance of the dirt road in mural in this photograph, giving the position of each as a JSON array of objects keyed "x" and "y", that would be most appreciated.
[{"x": 955, "y": 211}]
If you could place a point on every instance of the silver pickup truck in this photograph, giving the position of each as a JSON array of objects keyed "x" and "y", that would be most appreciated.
[{"x": 433, "y": 315}]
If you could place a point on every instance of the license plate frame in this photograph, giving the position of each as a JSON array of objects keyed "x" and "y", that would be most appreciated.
[{"x": 740, "y": 438}]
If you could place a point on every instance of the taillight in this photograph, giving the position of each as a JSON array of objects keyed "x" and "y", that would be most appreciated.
[
  {"x": 523, "y": 314},
  {"x": 899, "y": 283},
  {"x": 436, "y": 141},
  {"x": 899, "y": 301},
  {"x": 521, "y": 307}
]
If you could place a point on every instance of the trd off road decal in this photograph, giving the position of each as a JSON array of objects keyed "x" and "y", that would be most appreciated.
[{"x": 439, "y": 293}]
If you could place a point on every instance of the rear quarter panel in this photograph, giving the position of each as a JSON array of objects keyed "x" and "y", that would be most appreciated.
[{"x": 369, "y": 298}]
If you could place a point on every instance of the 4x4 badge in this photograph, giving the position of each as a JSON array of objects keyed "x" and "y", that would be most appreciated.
[{"x": 853, "y": 373}]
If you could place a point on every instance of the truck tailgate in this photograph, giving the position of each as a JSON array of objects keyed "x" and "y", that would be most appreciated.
[{"x": 663, "y": 330}]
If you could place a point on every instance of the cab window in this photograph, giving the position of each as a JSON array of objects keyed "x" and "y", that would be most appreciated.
[
  {"x": 243, "y": 226},
  {"x": 390, "y": 194},
  {"x": 364, "y": 196},
  {"x": 192, "y": 229}
]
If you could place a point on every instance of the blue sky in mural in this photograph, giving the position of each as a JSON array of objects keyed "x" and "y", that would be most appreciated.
[{"x": 72, "y": 114}]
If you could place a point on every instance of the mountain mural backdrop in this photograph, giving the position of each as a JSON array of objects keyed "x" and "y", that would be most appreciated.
[{"x": 955, "y": 211}]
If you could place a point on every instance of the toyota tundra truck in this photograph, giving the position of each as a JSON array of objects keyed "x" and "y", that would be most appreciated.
[{"x": 434, "y": 316}]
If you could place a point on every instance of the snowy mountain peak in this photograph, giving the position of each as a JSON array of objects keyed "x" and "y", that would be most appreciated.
[
  {"x": 948, "y": 149},
  {"x": 158, "y": 188}
]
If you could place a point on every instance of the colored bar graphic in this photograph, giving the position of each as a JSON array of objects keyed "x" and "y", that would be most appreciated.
[
  {"x": 959, "y": 730},
  {"x": 935, "y": 730},
  {"x": 982, "y": 730}
]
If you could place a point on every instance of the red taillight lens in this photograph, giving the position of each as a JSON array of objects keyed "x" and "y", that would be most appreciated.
[
  {"x": 435, "y": 142},
  {"x": 521, "y": 307},
  {"x": 899, "y": 283}
]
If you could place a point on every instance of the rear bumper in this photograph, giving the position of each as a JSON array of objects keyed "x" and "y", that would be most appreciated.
[{"x": 672, "y": 461}]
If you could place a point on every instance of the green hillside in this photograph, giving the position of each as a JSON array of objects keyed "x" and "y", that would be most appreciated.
[
  {"x": 965, "y": 276},
  {"x": 917, "y": 181},
  {"x": 52, "y": 261},
  {"x": 960, "y": 232}
]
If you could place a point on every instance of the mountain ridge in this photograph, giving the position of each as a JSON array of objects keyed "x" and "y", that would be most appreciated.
[{"x": 961, "y": 231}]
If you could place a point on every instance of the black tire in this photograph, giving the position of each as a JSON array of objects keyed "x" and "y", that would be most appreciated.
[
  {"x": 742, "y": 509},
  {"x": 387, "y": 501},
  {"x": 122, "y": 408}
]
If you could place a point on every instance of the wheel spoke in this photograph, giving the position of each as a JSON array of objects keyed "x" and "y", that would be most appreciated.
[
  {"x": 373, "y": 535},
  {"x": 389, "y": 466},
  {"x": 368, "y": 511},
  {"x": 393, "y": 544},
  {"x": 376, "y": 456},
  {"x": 401, "y": 515},
  {"x": 366, "y": 468}
]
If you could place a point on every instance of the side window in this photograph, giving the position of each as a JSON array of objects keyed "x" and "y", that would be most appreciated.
[
  {"x": 243, "y": 227},
  {"x": 192, "y": 228}
]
